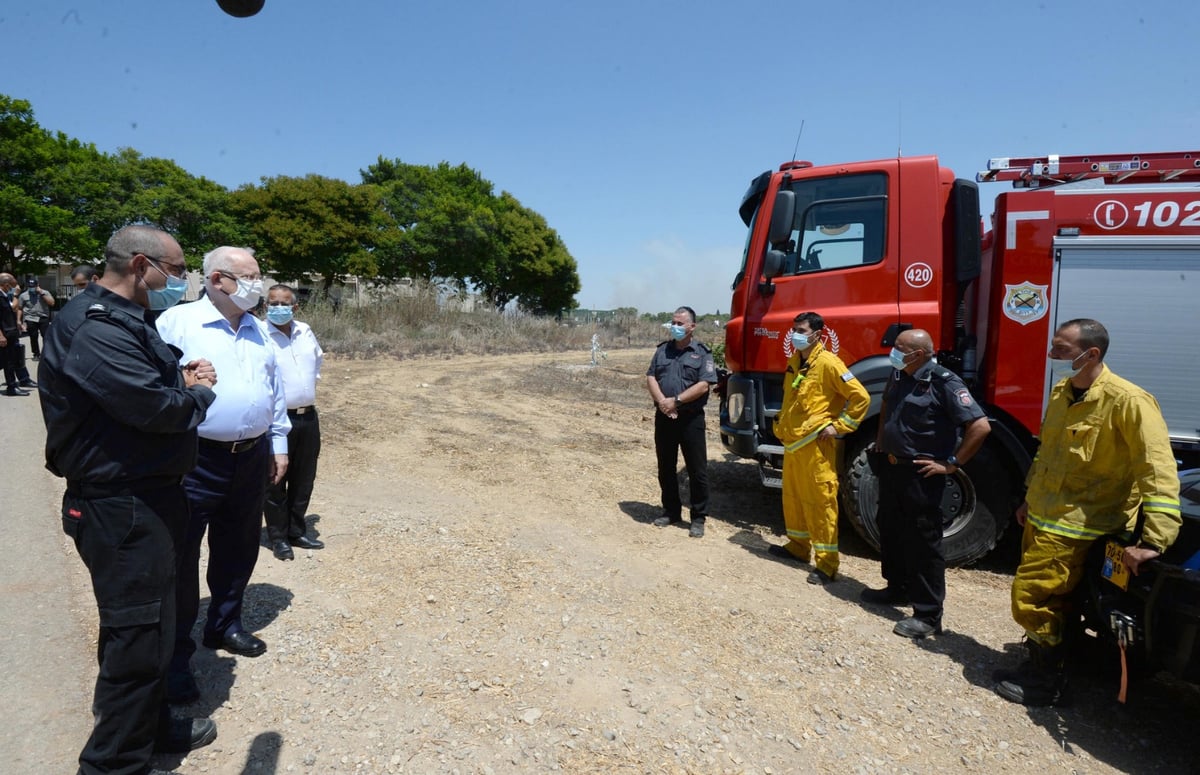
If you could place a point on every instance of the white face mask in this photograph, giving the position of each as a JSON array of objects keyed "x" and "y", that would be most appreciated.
[{"x": 247, "y": 294}]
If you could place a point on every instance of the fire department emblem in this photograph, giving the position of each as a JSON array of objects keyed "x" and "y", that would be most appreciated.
[
  {"x": 829, "y": 338},
  {"x": 1026, "y": 302}
]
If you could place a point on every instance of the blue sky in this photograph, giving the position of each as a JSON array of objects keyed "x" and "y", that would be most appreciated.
[{"x": 633, "y": 127}]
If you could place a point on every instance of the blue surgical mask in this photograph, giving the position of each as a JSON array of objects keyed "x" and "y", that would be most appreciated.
[
  {"x": 677, "y": 332},
  {"x": 1062, "y": 367},
  {"x": 802, "y": 341},
  {"x": 279, "y": 315},
  {"x": 897, "y": 359},
  {"x": 165, "y": 298}
]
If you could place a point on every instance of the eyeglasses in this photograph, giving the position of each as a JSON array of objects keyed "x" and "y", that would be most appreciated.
[
  {"x": 178, "y": 271},
  {"x": 235, "y": 278}
]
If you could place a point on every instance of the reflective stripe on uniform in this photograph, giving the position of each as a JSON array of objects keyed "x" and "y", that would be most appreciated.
[
  {"x": 1066, "y": 531},
  {"x": 849, "y": 421},
  {"x": 795, "y": 445},
  {"x": 803, "y": 534}
]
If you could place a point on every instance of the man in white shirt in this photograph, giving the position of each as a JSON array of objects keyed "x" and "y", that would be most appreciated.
[
  {"x": 299, "y": 357},
  {"x": 242, "y": 447}
]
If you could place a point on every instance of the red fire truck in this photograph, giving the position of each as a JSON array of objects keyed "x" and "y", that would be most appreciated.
[{"x": 878, "y": 247}]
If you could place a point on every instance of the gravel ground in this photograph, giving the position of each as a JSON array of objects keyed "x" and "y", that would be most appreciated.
[{"x": 493, "y": 599}]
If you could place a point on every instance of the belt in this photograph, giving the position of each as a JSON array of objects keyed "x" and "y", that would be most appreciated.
[
  {"x": 303, "y": 409},
  {"x": 115, "y": 489},
  {"x": 231, "y": 446},
  {"x": 903, "y": 461}
]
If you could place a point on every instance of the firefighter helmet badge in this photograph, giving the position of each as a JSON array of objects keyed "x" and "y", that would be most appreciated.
[{"x": 1026, "y": 302}]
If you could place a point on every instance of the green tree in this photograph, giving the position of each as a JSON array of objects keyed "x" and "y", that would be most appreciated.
[
  {"x": 532, "y": 265},
  {"x": 444, "y": 224},
  {"x": 312, "y": 226},
  {"x": 32, "y": 223}
]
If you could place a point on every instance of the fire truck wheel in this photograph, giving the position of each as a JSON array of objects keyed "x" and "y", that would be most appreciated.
[{"x": 975, "y": 509}]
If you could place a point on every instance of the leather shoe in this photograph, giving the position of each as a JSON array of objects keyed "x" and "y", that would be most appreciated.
[
  {"x": 304, "y": 542},
  {"x": 15, "y": 391},
  {"x": 27, "y": 383},
  {"x": 915, "y": 628},
  {"x": 886, "y": 596},
  {"x": 697, "y": 528},
  {"x": 182, "y": 688},
  {"x": 664, "y": 520},
  {"x": 282, "y": 550},
  {"x": 185, "y": 734},
  {"x": 241, "y": 643}
]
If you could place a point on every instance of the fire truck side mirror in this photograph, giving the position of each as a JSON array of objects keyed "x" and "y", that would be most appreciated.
[
  {"x": 773, "y": 263},
  {"x": 782, "y": 216}
]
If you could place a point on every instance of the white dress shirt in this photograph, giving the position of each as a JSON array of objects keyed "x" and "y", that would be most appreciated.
[
  {"x": 250, "y": 398},
  {"x": 299, "y": 357}
]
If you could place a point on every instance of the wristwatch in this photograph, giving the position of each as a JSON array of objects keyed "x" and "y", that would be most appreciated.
[{"x": 952, "y": 461}]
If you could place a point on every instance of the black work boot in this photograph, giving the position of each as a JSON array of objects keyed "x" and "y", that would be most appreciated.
[{"x": 1039, "y": 682}]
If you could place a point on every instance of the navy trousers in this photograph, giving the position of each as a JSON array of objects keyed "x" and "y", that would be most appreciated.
[
  {"x": 225, "y": 494},
  {"x": 670, "y": 436},
  {"x": 910, "y": 537}
]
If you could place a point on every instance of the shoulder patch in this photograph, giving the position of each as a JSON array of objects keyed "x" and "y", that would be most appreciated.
[
  {"x": 964, "y": 397},
  {"x": 847, "y": 376}
]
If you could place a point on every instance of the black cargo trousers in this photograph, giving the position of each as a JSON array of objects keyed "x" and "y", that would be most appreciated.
[{"x": 127, "y": 537}]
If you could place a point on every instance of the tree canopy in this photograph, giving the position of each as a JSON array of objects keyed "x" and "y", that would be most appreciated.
[{"x": 62, "y": 198}]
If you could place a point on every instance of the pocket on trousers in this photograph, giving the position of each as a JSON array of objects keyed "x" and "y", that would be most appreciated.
[
  {"x": 72, "y": 516},
  {"x": 131, "y": 615}
]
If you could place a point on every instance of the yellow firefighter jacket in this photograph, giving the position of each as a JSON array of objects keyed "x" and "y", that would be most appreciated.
[
  {"x": 817, "y": 393},
  {"x": 1101, "y": 457}
]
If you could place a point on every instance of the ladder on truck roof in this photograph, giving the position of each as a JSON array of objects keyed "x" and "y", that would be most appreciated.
[{"x": 1053, "y": 169}]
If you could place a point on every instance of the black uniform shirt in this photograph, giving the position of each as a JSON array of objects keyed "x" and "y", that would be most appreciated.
[
  {"x": 8, "y": 317},
  {"x": 113, "y": 399},
  {"x": 677, "y": 369},
  {"x": 925, "y": 411}
]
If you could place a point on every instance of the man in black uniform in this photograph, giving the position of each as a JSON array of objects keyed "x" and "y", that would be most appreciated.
[
  {"x": 919, "y": 445},
  {"x": 10, "y": 338},
  {"x": 679, "y": 379},
  {"x": 121, "y": 421}
]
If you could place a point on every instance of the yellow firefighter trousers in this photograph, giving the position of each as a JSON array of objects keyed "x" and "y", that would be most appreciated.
[
  {"x": 1051, "y": 567},
  {"x": 810, "y": 512}
]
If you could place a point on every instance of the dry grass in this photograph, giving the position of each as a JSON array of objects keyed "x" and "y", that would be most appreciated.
[{"x": 416, "y": 325}]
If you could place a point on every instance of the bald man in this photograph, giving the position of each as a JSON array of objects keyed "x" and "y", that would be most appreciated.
[{"x": 929, "y": 427}]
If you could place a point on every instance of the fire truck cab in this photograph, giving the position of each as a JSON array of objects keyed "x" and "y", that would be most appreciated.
[{"x": 882, "y": 246}]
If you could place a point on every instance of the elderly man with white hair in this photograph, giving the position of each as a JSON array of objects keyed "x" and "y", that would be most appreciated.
[{"x": 243, "y": 447}]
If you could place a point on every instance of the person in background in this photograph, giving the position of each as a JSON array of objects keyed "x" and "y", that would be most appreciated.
[
  {"x": 930, "y": 425},
  {"x": 1105, "y": 452},
  {"x": 11, "y": 359},
  {"x": 82, "y": 275},
  {"x": 679, "y": 379},
  {"x": 121, "y": 417},
  {"x": 822, "y": 400},
  {"x": 243, "y": 447},
  {"x": 35, "y": 304},
  {"x": 299, "y": 357}
]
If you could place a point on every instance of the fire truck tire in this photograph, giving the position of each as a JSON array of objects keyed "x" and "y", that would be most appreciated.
[{"x": 976, "y": 509}]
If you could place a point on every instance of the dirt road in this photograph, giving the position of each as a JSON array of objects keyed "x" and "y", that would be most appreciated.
[{"x": 493, "y": 599}]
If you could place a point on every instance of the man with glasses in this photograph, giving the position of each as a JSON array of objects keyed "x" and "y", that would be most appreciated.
[
  {"x": 243, "y": 447},
  {"x": 121, "y": 417},
  {"x": 1105, "y": 452}
]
